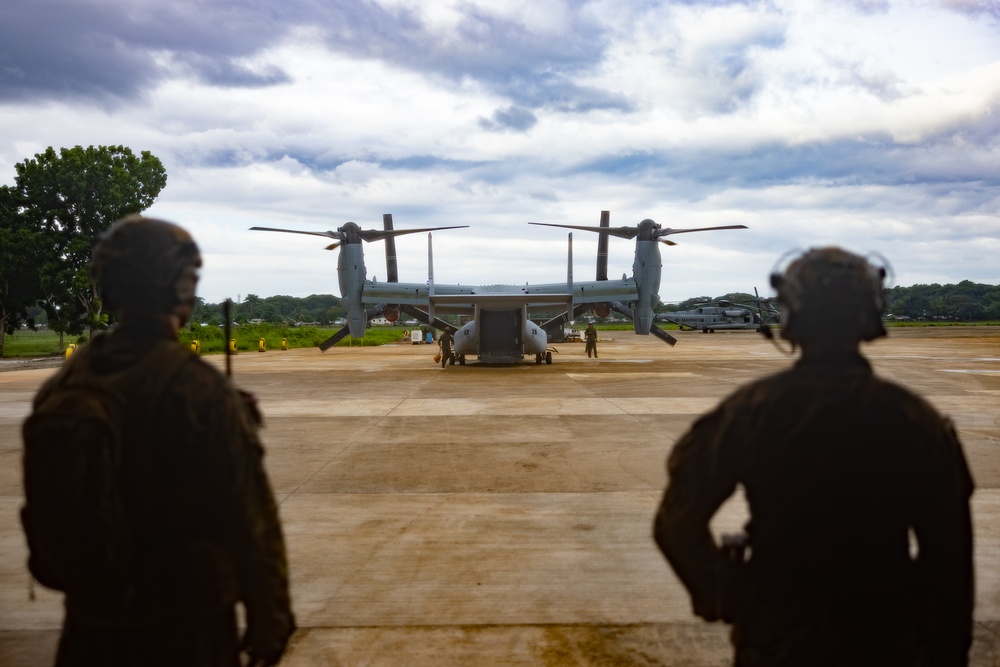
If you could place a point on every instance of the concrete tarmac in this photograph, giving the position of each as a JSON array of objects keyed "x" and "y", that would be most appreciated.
[{"x": 502, "y": 515}]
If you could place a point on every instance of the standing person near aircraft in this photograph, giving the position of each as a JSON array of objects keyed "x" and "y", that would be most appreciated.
[
  {"x": 446, "y": 341},
  {"x": 590, "y": 335},
  {"x": 197, "y": 527},
  {"x": 860, "y": 537}
]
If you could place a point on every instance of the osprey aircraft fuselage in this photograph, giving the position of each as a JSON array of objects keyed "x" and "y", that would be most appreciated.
[{"x": 500, "y": 328}]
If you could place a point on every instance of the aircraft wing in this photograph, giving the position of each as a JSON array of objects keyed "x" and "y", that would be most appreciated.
[
  {"x": 464, "y": 298},
  {"x": 593, "y": 291},
  {"x": 418, "y": 294},
  {"x": 448, "y": 302}
]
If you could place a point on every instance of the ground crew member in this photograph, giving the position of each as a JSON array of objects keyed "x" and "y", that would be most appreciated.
[
  {"x": 590, "y": 335},
  {"x": 200, "y": 509},
  {"x": 859, "y": 546},
  {"x": 446, "y": 341}
]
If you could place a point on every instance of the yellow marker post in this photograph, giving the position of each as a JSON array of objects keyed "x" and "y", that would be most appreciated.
[
  {"x": 196, "y": 346},
  {"x": 261, "y": 346},
  {"x": 70, "y": 349},
  {"x": 232, "y": 345},
  {"x": 284, "y": 343}
]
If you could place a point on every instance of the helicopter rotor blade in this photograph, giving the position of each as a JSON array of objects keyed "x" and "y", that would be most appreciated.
[
  {"x": 380, "y": 234},
  {"x": 334, "y": 339},
  {"x": 619, "y": 232},
  {"x": 391, "y": 267},
  {"x": 328, "y": 234},
  {"x": 602, "y": 247},
  {"x": 424, "y": 317},
  {"x": 665, "y": 232},
  {"x": 662, "y": 335}
]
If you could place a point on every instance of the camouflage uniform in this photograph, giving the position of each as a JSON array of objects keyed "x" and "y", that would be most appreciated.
[
  {"x": 446, "y": 341},
  {"x": 590, "y": 335},
  {"x": 838, "y": 467},
  {"x": 201, "y": 513},
  {"x": 203, "y": 520}
]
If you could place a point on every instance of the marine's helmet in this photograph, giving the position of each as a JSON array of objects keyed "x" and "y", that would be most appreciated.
[
  {"x": 146, "y": 265},
  {"x": 830, "y": 294}
]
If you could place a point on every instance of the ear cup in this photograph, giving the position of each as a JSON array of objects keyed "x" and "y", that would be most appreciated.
[{"x": 829, "y": 292}]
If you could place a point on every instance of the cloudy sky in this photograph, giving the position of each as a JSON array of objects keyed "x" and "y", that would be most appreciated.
[{"x": 872, "y": 124}]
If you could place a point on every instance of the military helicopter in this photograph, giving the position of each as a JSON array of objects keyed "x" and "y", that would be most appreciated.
[
  {"x": 724, "y": 314},
  {"x": 500, "y": 330}
]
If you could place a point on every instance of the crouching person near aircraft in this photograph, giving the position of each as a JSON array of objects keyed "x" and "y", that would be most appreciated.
[
  {"x": 447, "y": 343},
  {"x": 153, "y": 513},
  {"x": 841, "y": 470}
]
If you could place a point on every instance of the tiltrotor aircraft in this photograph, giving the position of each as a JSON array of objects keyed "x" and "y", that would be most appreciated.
[
  {"x": 724, "y": 315},
  {"x": 500, "y": 330}
]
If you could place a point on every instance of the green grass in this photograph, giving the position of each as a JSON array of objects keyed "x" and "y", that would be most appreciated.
[
  {"x": 919, "y": 323},
  {"x": 27, "y": 343},
  {"x": 211, "y": 339}
]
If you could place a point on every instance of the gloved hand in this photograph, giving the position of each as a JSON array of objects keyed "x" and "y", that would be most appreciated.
[{"x": 265, "y": 642}]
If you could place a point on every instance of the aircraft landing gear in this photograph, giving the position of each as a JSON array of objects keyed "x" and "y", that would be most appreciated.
[
  {"x": 538, "y": 359},
  {"x": 548, "y": 358}
]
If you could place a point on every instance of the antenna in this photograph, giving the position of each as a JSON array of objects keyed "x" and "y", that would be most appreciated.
[
  {"x": 569, "y": 275},
  {"x": 227, "y": 329},
  {"x": 430, "y": 279}
]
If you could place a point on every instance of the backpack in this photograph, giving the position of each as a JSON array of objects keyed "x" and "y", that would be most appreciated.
[{"x": 76, "y": 526}]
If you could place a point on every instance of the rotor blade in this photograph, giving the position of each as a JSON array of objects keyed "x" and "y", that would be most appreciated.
[
  {"x": 619, "y": 232},
  {"x": 418, "y": 314},
  {"x": 620, "y": 307},
  {"x": 370, "y": 314},
  {"x": 333, "y": 245},
  {"x": 662, "y": 335},
  {"x": 602, "y": 247},
  {"x": 329, "y": 235},
  {"x": 564, "y": 317},
  {"x": 391, "y": 268},
  {"x": 666, "y": 241},
  {"x": 664, "y": 232},
  {"x": 379, "y": 234},
  {"x": 334, "y": 339}
]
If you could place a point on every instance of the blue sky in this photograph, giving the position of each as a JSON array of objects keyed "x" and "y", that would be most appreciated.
[{"x": 870, "y": 124}]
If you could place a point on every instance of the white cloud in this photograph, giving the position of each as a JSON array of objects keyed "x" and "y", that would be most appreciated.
[{"x": 868, "y": 124}]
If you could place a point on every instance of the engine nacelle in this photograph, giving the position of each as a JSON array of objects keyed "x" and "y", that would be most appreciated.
[
  {"x": 467, "y": 340},
  {"x": 533, "y": 338}
]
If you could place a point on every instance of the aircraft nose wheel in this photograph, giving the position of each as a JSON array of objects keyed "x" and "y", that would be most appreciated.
[
  {"x": 548, "y": 358},
  {"x": 538, "y": 359}
]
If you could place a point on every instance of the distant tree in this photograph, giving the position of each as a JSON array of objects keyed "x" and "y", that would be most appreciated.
[
  {"x": 207, "y": 313},
  {"x": 70, "y": 197},
  {"x": 693, "y": 302},
  {"x": 20, "y": 247}
]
